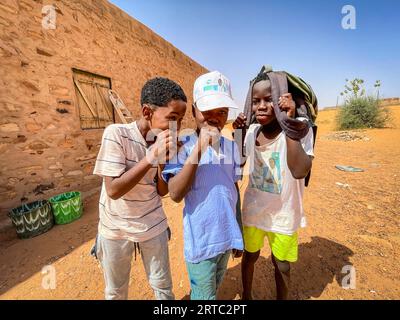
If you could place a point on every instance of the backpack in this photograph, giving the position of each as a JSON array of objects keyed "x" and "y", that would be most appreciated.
[
  {"x": 283, "y": 82},
  {"x": 306, "y": 104}
]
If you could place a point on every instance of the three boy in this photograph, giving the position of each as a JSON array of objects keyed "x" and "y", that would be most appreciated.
[{"x": 204, "y": 172}]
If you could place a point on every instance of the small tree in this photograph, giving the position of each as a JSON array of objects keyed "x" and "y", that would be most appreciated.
[
  {"x": 353, "y": 88},
  {"x": 377, "y": 85},
  {"x": 359, "y": 109}
]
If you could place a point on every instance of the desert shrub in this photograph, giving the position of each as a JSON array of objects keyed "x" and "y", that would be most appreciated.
[
  {"x": 359, "y": 109},
  {"x": 362, "y": 112}
]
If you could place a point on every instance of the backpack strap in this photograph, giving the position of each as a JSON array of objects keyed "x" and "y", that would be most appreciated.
[
  {"x": 294, "y": 129},
  {"x": 248, "y": 105},
  {"x": 307, "y": 178}
]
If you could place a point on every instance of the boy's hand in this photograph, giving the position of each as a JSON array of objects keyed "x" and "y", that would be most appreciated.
[
  {"x": 287, "y": 104},
  {"x": 208, "y": 136},
  {"x": 240, "y": 121},
  {"x": 237, "y": 253},
  {"x": 163, "y": 149}
]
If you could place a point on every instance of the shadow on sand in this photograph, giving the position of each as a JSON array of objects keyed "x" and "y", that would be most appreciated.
[{"x": 320, "y": 263}]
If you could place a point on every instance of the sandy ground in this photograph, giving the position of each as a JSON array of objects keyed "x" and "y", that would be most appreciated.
[{"x": 357, "y": 226}]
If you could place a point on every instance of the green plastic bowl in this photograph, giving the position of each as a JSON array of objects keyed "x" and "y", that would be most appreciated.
[
  {"x": 67, "y": 207},
  {"x": 32, "y": 219}
]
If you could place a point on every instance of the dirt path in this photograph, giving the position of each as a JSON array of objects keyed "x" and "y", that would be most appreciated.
[{"x": 354, "y": 225}]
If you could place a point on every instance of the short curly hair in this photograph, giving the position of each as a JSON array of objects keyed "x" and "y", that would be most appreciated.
[
  {"x": 160, "y": 91},
  {"x": 262, "y": 76}
]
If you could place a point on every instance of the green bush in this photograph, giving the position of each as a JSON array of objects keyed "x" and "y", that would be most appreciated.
[{"x": 362, "y": 112}]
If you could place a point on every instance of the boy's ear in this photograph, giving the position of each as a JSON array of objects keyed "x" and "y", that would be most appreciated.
[{"x": 147, "y": 112}]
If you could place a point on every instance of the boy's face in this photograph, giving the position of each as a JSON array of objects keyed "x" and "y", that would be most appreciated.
[
  {"x": 262, "y": 103},
  {"x": 160, "y": 117},
  {"x": 215, "y": 118}
]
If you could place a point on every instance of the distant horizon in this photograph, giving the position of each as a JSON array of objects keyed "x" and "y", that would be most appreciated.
[
  {"x": 381, "y": 99},
  {"x": 309, "y": 41}
]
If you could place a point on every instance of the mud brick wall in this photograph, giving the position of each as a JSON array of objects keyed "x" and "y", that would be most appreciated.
[{"x": 44, "y": 152}]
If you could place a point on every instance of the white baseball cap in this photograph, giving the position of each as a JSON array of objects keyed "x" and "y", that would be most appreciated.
[{"x": 213, "y": 90}]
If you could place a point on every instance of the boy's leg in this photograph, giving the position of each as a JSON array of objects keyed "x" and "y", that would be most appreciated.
[
  {"x": 253, "y": 242},
  {"x": 284, "y": 250},
  {"x": 155, "y": 256},
  {"x": 222, "y": 264},
  {"x": 282, "y": 278},
  {"x": 115, "y": 257},
  {"x": 248, "y": 261},
  {"x": 203, "y": 279}
]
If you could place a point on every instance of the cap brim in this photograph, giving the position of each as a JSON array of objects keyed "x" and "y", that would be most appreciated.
[{"x": 216, "y": 101}]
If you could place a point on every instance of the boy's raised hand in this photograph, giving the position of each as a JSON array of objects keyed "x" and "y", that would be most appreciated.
[
  {"x": 209, "y": 135},
  {"x": 287, "y": 104},
  {"x": 164, "y": 148},
  {"x": 240, "y": 121}
]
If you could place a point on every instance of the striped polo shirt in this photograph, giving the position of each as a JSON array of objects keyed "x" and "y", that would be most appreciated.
[{"x": 138, "y": 215}]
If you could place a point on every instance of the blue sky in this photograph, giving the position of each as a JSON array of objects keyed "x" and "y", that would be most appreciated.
[{"x": 305, "y": 38}]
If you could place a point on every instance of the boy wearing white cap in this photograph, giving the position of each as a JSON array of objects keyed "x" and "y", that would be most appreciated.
[{"x": 205, "y": 173}]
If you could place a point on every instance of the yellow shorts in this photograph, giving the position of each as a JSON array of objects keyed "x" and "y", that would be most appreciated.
[{"x": 283, "y": 247}]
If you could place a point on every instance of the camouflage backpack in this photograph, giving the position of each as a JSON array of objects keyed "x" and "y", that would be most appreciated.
[{"x": 306, "y": 104}]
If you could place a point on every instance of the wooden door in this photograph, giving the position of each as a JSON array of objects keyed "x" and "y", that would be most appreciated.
[{"x": 95, "y": 108}]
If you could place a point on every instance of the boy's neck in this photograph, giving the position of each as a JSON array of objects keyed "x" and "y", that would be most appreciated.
[
  {"x": 271, "y": 130},
  {"x": 144, "y": 128}
]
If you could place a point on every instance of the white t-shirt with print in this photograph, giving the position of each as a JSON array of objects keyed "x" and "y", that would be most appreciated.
[{"x": 273, "y": 200}]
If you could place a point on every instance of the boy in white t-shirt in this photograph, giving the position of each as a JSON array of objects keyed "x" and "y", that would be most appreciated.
[{"x": 272, "y": 204}]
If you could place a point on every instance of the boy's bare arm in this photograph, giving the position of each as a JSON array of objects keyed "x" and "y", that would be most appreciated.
[
  {"x": 239, "y": 127},
  {"x": 162, "y": 186},
  {"x": 299, "y": 162},
  {"x": 116, "y": 187}
]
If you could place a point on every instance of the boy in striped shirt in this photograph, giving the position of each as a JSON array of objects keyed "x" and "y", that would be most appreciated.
[{"x": 131, "y": 213}]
